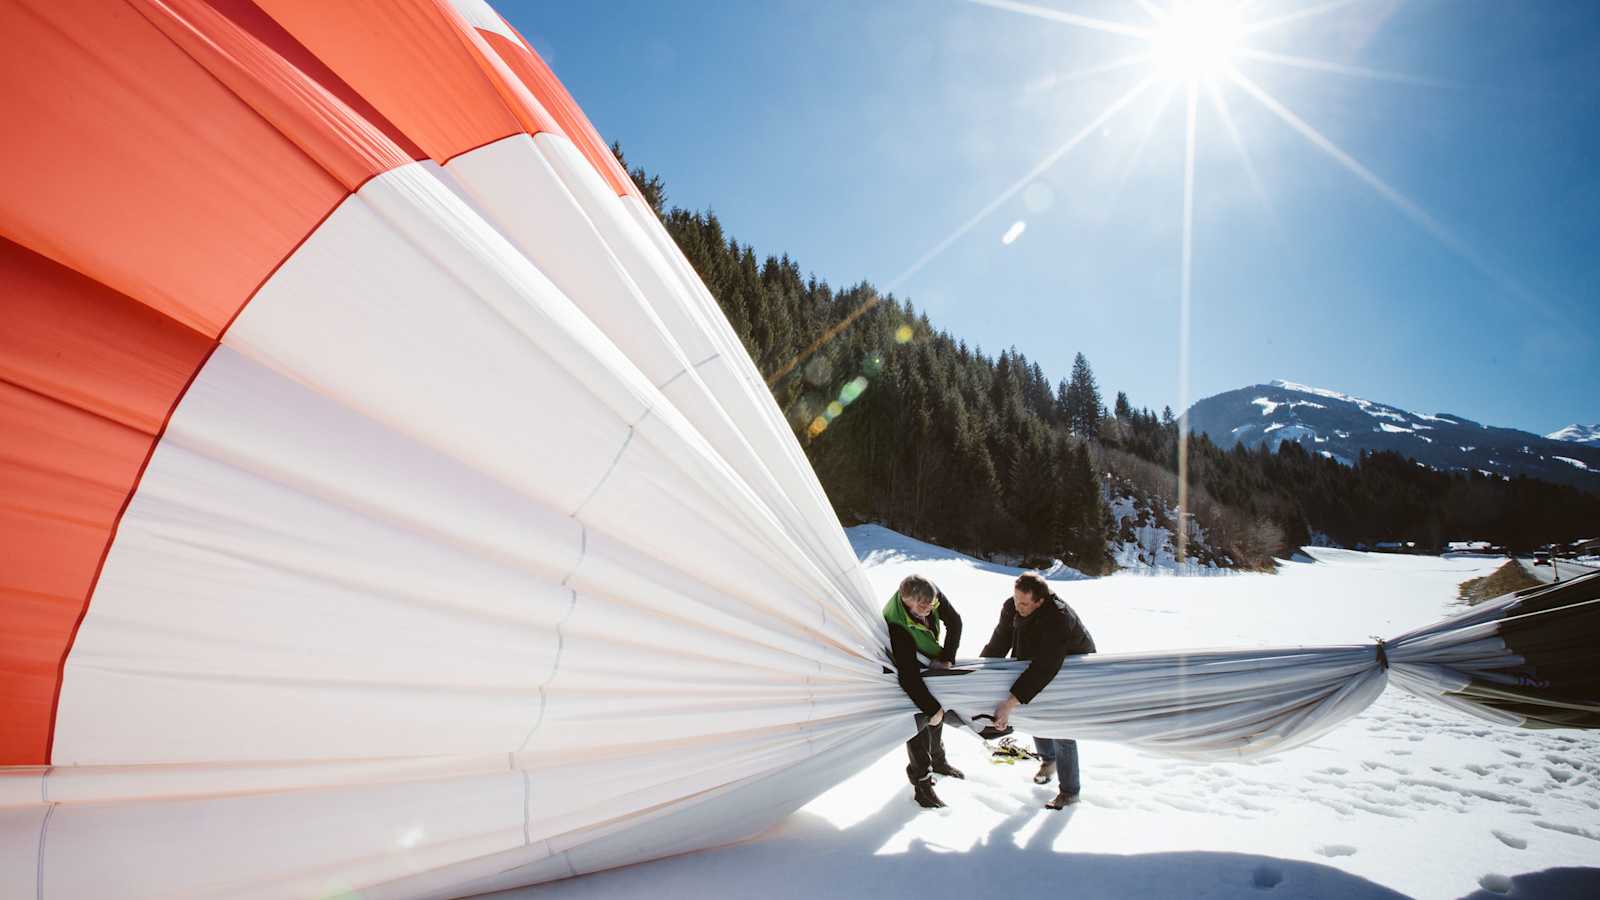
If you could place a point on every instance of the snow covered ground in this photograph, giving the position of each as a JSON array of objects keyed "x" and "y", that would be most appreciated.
[{"x": 1407, "y": 799}]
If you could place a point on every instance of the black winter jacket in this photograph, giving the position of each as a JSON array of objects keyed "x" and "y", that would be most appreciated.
[
  {"x": 903, "y": 650},
  {"x": 1046, "y": 638}
]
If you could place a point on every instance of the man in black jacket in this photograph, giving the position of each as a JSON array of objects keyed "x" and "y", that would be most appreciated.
[
  {"x": 917, "y": 614},
  {"x": 1040, "y": 627}
]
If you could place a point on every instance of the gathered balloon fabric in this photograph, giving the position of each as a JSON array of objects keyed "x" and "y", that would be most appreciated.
[
  {"x": 389, "y": 507},
  {"x": 1524, "y": 659}
]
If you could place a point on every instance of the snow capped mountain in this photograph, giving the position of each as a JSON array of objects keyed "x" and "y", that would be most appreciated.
[
  {"x": 1340, "y": 426},
  {"x": 1577, "y": 434}
]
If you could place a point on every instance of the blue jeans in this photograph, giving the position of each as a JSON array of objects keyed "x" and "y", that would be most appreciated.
[{"x": 1064, "y": 753}]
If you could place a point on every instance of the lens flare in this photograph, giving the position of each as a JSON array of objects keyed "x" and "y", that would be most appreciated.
[{"x": 852, "y": 390}]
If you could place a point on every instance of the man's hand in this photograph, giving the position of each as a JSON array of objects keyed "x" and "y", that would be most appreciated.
[
  {"x": 1002, "y": 711},
  {"x": 939, "y": 664},
  {"x": 936, "y": 719}
]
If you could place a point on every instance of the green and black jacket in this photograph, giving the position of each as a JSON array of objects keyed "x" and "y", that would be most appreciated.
[{"x": 909, "y": 635}]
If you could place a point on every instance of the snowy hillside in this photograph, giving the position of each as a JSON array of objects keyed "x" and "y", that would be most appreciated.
[
  {"x": 1339, "y": 426},
  {"x": 1142, "y": 541},
  {"x": 1577, "y": 434},
  {"x": 1408, "y": 799}
]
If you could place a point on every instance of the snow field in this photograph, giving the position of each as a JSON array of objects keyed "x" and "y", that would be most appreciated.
[{"x": 1407, "y": 799}]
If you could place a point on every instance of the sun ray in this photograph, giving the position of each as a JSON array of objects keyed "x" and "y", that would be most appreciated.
[
  {"x": 1053, "y": 81},
  {"x": 827, "y": 336},
  {"x": 1155, "y": 11},
  {"x": 1056, "y": 15},
  {"x": 1039, "y": 168},
  {"x": 1184, "y": 296},
  {"x": 1318, "y": 65},
  {"x": 1299, "y": 14},
  {"x": 1121, "y": 62},
  {"x": 1404, "y": 204},
  {"x": 1138, "y": 151},
  {"x": 1221, "y": 104}
]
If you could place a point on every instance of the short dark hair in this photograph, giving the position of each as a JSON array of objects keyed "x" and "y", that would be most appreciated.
[
  {"x": 1033, "y": 584},
  {"x": 917, "y": 586}
]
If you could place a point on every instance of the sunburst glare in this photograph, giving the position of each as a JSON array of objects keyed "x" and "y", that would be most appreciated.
[
  {"x": 1196, "y": 44},
  {"x": 1196, "y": 40}
]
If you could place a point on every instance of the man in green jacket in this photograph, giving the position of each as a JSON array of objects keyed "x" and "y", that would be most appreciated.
[{"x": 917, "y": 614}]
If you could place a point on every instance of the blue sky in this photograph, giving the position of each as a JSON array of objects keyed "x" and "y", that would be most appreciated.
[{"x": 860, "y": 136}]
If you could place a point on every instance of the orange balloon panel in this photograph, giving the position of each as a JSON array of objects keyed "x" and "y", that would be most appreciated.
[
  {"x": 414, "y": 61},
  {"x": 142, "y": 170},
  {"x": 87, "y": 377},
  {"x": 547, "y": 88}
]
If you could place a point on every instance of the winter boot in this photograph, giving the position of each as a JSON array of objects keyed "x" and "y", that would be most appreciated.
[
  {"x": 1047, "y": 771},
  {"x": 940, "y": 767},
  {"x": 1062, "y": 800},
  {"x": 923, "y": 793}
]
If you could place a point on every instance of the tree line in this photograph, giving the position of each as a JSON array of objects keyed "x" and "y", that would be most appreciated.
[{"x": 908, "y": 426}]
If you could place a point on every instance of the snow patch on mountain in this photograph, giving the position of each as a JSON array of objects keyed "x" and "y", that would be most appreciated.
[
  {"x": 1367, "y": 406},
  {"x": 1573, "y": 462},
  {"x": 1320, "y": 392},
  {"x": 1347, "y": 426},
  {"x": 1577, "y": 434}
]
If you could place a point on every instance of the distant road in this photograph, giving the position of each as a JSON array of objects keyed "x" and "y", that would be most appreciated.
[{"x": 1566, "y": 568}]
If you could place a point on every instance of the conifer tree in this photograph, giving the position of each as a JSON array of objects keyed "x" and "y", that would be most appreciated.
[
  {"x": 1083, "y": 406},
  {"x": 940, "y": 441}
]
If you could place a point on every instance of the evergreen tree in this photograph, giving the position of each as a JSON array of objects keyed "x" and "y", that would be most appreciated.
[
  {"x": 651, "y": 186},
  {"x": 1083, "y": 406},
  {"x": 946, "y": 444}
]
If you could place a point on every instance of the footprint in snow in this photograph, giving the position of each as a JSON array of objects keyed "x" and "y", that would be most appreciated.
[
  {"x": 1510, "y": 840},
  {"x": 1266, "y": 877},
  {"x": 1498, "y": 884},
  {"x": 1332, "y": 850},
  {"x": 1476, "y": 769}
]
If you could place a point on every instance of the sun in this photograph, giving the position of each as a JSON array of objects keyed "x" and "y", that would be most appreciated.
[{"x": 1197, "y": 39}]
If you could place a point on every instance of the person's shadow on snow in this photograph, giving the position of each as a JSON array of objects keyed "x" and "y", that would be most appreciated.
[{"x": 851, "y": 862}]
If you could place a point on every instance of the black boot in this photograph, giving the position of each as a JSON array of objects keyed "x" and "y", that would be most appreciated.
[
  {"x": 923, "y": 793},
  {"x": 940, "y": 767}
]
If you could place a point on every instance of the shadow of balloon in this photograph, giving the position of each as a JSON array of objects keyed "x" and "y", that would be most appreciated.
[{"x": 807, "y": 857}]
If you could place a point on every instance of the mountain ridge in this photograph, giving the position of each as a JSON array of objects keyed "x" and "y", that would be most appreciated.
[
  {"x": 1341, "y": 426},
  {"x": 1578, "y": 434}
]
